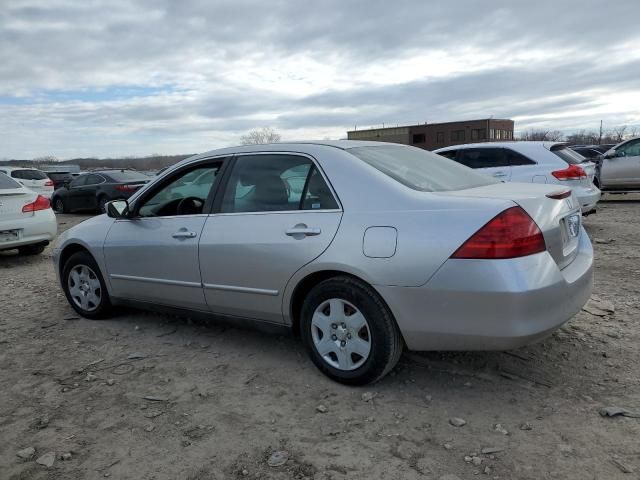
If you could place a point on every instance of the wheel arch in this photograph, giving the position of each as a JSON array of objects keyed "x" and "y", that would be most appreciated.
[{"x": 68, "y": 251}]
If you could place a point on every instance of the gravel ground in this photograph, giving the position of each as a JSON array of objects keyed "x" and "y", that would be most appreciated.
[{"x": 220, "y": 401}]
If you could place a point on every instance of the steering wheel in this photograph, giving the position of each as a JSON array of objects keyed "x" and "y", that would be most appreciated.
[{"x": 190, "y": 206}]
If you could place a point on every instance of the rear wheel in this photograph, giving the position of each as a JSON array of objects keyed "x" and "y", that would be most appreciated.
[
  {"x": 349, "y": 331},
  {"x": 84, "y": 286},
  {"x": 31, "y": 249},
  {"x": 59, "y": 206}
]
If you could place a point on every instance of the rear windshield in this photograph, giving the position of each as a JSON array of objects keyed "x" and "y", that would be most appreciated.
[
  {"x": 420, "y": 169},
  {"x": 568, "y": 155},
  {"x": 59, "y": 176},
  {"x": 126, "y": 176},
  {"x": 29, "y": 175},
  {"x": 6, "y": 183}
]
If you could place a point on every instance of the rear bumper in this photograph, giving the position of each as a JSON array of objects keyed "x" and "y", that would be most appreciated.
[
  {"x": 40, "y": 227},
  {"x": 492, "y": 304},
  {"x": 588, "y": 198}
]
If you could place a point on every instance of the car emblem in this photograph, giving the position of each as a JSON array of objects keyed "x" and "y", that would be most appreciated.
[
  {"x": 569, "y": 202},
  {"x": 574, "y": 225}
]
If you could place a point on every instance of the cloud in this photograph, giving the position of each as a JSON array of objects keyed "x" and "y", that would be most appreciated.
[{"x": 121, "y": 77}]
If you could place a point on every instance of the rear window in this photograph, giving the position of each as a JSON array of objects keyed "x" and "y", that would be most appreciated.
[
  {"x": 126, "y": 176},
  {"x": 29, "y": 174},
  {"x": 568, "y": 155},
  {"x": 419, "y": 169},
  {"x": 7, "y": 183},
  {"x": 59, "y": 176}
]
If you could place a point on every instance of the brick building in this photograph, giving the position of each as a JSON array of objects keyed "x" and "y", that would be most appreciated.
[{"x": 437, "y": 135}]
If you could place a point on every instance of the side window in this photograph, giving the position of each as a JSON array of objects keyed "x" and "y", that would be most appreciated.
[
  {"x": 278, "y": 182},
  {"x": 482, "y": 158},
  {"x": 515, "y": 159},
  {"x": 631, "y": 149},
  {"x": 185, "y": 193},
  {"x": 450, "y": 154},
  {"x": 79, "y": 181},
  {"x": 94, "y": 179}
]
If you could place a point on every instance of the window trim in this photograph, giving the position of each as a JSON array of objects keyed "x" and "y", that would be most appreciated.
[
  {"x": 217, "y": 202},
  {"x": 163, "y": 181}
]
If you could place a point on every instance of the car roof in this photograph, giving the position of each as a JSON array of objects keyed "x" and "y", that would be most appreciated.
[
  {"x": 293, "y": 146},
  {"x": 11, "y": 169},
  {"x": 520, "y": 146}
]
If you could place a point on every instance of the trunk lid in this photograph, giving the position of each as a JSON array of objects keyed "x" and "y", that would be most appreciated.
[
  {"x": 11, "y": 203},
  {"x": 559, "y": 220}
]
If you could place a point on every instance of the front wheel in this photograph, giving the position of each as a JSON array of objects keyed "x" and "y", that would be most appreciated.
[
  {"x": 84, "y": 286},
  {"x": 58, "y": 206},
  {"x": 102, "y": 204},
  {"x": 349, "y": 331}
]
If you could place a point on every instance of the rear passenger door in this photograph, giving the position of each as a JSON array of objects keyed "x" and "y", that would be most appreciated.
[
  {"x": 490, "y": 161},
  {"x": 276, "y": 214},
  {"x": 523, "y": 169}
]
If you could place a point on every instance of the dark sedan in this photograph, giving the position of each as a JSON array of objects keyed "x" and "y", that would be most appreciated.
[{"x": 91, "y": 191}]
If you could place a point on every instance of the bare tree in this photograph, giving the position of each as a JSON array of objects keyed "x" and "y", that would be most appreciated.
[
  {"x": 260, "y": 136},
  {"x": 583, "y": 137},
  {"x": 634, "y": 132},
  {"x": 541, "y": 135},
  {"x": 618, "y": 133}
]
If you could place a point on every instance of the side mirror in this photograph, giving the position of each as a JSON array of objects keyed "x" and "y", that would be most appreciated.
[
  {"x": 117, "y": 209},
  {"x": 610, "y": 154}
]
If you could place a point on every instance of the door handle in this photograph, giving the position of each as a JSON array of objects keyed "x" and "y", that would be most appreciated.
[
  {"x": 183, "y": 233},
  {"x": 301, "y": 230},
  {"x": 499, "y": 174}
]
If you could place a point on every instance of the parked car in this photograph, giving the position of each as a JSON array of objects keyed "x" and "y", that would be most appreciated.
[
  {"x": 589, "y": 152},
  {"x": 92, "y": 190},
  {"x": 619, "y": 171},
  {"x": 32, "y": 178},
  {"x": 385, "y": 247},
  {"x": 26, "y": 219},
  {"x": 532, "y": 162}
]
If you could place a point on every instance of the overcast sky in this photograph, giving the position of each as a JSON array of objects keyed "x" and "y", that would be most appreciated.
[{"x": 110, "y": 77}]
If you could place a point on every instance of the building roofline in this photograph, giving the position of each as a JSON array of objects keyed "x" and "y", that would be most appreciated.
[{"x": 434, "y": 123}]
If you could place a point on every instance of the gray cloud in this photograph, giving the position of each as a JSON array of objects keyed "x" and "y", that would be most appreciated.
[{"x": 320, "y": 67}]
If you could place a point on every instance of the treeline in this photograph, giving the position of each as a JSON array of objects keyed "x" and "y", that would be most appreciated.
[
  {"x": 152, "y": 162},
  {"x": 583, "y": 137}
]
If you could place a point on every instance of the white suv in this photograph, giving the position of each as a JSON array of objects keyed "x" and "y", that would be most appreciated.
[
  {"x": 531, "y": 162},
  {"x": 32, "y": 178}
]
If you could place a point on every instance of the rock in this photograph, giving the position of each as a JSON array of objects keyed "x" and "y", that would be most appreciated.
[
  {"x": 321, "y": 409},
  {"x": 476, "y": 461},
  {"x": 447, "y": 446},
  {"x": 91, "y": 377},
  {"x": 599, "y": 307},
  {"x": 71, "y": 317},
  {"x": 65, "y": 456},
  {"x": 615, "y": 411},
  {"x": 245, "y": 472},
  {"x": 153, "y": 413},
  {"x": 428, "y": 398},
  {"x": 111, "y": 382},
  {"x": 136, "y": 356},
  {"x": 26, "y": 453},
  {"x": 526, "y": 426},
  {"x": 277, "y": 459},
  {"x": 500, "y": 429},
  {"x": 449, "y": 476},
  {"x": 604, "y": 241},
  {"x": 621, "y": 466},
  {"x": 47, "y": 459},
  {"x": 468, "y": 458},
  {"x": 490, "y": 450},
  {"x": 40, "y": 423},
  {"x": 368, "y": 396},
  {"x": 152, "y": 398},
  {"x": 149, "y": 428},
  {"x": 565, "y": 449},
  {"x": 457, "y": 421},
  {"x": 486, "y": 470}
]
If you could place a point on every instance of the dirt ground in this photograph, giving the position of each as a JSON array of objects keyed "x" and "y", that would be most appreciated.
[{"x": 221, "y": 400}]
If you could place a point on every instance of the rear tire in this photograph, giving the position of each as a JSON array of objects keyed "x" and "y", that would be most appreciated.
[
  {"x": 59, "y": 206},
  {"x": 84, "y": 286},
  {"x": 365, "y": 344},
  {"x": 31, "y": 249}
]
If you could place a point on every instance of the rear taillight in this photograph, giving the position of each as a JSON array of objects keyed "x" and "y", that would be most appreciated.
[
  {"x": 126, "y": 188},
  {"x": 510, "y": 234},
  {"x": 48, "y": 183},
  {"x": 572, "y": 172},
  {"x": 559, "y": 195},
  {"x": 41, "y": 203}
]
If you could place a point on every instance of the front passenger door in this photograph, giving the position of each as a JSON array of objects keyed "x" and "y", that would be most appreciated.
[
  {"x": 490, "y": 161},
  {"x": 153, "y": 256},
  {"x": 276, "y": 215},
  {"x": 623, "y": 170}
]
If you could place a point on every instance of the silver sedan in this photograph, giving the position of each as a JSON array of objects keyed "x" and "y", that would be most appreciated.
[{"x": 362, "y": 248}]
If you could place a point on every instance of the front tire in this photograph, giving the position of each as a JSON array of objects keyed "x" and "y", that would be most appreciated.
[
  {"x": 349, "y": 331},
  {"x": 31, "y": 249},
  {"x": 102, "y": 204},
  {"x": 59, "y": 206},
  {"x": 84, "y": 286}
]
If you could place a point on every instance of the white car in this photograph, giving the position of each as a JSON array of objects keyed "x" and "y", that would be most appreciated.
[
  {"x": 26, "y": 219},
  {"x": 32, "y": 178},
  {"x": 531, "y": 162}
]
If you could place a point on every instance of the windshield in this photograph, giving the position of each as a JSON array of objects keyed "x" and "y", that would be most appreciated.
[
  {"x": 420, "y": 169},
  {"x": 7, "y": 183},
  {"x": 126, "y": 176},
  {"x": 568, "y": 155},
  {"x": 29, "y": 175}
]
